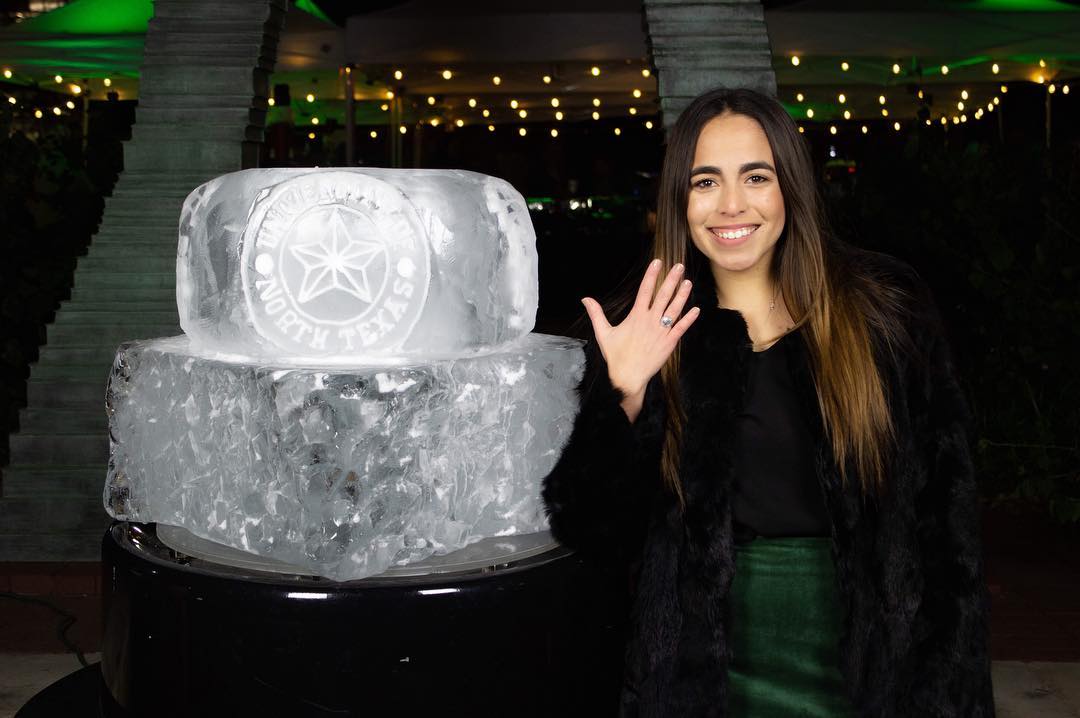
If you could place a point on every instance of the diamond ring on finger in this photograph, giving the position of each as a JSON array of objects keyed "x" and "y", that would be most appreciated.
[{"x": 666, "y": 321}]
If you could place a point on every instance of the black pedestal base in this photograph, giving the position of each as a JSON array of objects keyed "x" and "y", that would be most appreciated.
[{"x": 185, "y": 637}]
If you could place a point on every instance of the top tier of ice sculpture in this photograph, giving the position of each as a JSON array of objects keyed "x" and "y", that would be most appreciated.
[{"x": 332, "y": 266}]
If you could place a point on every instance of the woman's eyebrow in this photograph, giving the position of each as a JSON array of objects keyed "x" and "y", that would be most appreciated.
[{"x": 713, "y": 170}]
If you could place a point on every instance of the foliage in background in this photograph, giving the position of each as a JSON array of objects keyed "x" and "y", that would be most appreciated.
[{"x": 995, "y": 231}]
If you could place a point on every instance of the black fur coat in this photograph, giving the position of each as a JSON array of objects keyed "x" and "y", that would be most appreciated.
[{"x": 909, "y": 565}]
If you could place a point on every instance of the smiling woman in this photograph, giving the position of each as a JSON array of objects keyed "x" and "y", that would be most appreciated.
[{"x": 799, "y": 516}]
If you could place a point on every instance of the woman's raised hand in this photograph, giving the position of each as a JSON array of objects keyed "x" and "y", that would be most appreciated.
[{"x": 637, "y": 348}]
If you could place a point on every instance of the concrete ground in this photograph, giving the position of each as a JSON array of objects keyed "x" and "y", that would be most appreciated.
[{"x": 1021, "y": 689}]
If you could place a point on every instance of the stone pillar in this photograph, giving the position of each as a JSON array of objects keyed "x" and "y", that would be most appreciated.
[
  {"x": 203, "y": 89},
  {"x": 700, "y": 44}
]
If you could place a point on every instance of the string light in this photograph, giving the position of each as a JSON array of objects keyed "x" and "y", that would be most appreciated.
[
  {"x": 314, "y": 120},
  {"x": 920, "y": 94},
  {"x": 810, "y": 112},
  {"x": 884, "y": 112},
  {"x": 270, "y": 101},
  {"x": 801, "y": 130},
  {"x": 491, "y": 128},
  {"x": 522, "y": 132},
  {"x": 430, "y": 100},
  {"x": 963, "y": 118},
  {"x": 596, "y": 102},
  {"x": 402, "y": 129},
  {"x": 559, "y": 115},
  {"x": 37, "y": 114},
  {"x": 617, "y": 132},
  {"x": 384, "y": 107},
  {"x": 311, "y": 135},
  {"x": 398, "y": 74},
  {"x": 847, "y": 114},
  {"x": 896, "y": 69},
  {"x": 1051, "y": 89},
  {"x": 845, "y": 66},
  {"x": 547, "y": 79},
  {"x": 459, "y": 123},
  {"x": 799, "y": 96},
  {"x": 1042, "y": 62},
  {"x": 554, "y": 101},
  {"x": 310, "y": 97},
  {"x": 496, "y": 80},
  {"x": 633, "y": 110},
  {"x": 522, "y": 114},
  {"x": 832, "y": 129},
  {"x": 7, "y": 73},
  {"x": 59, "y": 79},
  {"x": 389, "y": 94},
  {"x": 513, "y": 104},
  {"x": 76, "y": 89},
  {"x": 955, "y": 120},
  {"x": 1064, "y": 89},
  {"x": 486, "y": 113},
  {"x": 374, "y": 134},
  {"x": 944, "y": 120},
  {"x": 944, "y": 69},
  {"x": 1040, "y": 79},
  {"x": 11, "y": 100},
  {"x": 995, "y": 69},
  {"x": 71, "y": 105},
  {"x": 896, "y": 126},
  {"x": 446, "y": 74},
  {"x": 554, "y": 133},
  {"x": 637, "y": 93},
  {"x": 595, "y": 71},
  {"x": 881, "y": 99},
  {"x": 596, "y": 115},
  {"x": 959, "y": 105},
  {"x": 434, "y": 121},
  {"x": 645, "y": 72},
  {"x": 865, "y": 129},
  {"x": 795, "y": 60},
  {"x": 842, "y": 97},
  {"x": 648, "y": 124},
  {"x": 472, "y": 102},
  {"x": 1004, "y": 89},
  {"x": 963, "y": 94},
  {"x": 108, "y": 82},
  {"x": 57, "y": 111}
]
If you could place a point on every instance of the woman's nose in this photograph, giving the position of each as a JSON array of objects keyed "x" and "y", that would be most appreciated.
[{"x": 731, "y": 201}]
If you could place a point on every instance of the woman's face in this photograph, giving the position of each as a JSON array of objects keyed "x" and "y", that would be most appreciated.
[{"x": 735, "y": 209}]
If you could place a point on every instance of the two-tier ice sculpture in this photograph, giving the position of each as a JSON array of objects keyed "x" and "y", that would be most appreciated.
[{"x": 357, "y": 387}]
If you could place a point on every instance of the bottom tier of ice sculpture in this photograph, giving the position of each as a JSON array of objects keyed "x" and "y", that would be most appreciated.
[{"x": 345, "y": 473}]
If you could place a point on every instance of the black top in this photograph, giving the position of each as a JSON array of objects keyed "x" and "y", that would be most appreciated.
[{"x": 776, "y": 485}]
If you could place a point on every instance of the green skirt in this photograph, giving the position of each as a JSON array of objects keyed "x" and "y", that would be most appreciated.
[{"x": 784, "y": 630}]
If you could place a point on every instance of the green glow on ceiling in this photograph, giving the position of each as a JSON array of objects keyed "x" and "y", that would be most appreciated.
[
  {"x": 91, "y": 17},
  {"x": 1022, "y": 6}
]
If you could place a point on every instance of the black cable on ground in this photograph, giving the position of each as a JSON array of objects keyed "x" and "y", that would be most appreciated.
[{"x": 66, "y": 621}]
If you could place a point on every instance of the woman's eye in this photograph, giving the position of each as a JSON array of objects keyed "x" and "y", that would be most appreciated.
[
  {"x": 700, "y": 182},
  {"x": 763, "y": 179}
]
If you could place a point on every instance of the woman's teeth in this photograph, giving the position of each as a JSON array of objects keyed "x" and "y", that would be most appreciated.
[{"x": 736, "y": 234}]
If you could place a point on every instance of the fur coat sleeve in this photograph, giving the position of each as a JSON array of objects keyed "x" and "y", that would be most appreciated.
[
  {"x": 952, "y": 672},
  {"x": 599, "y": 494}
]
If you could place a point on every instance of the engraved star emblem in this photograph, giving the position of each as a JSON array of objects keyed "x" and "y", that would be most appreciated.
[{"x": 337, "y": 261}]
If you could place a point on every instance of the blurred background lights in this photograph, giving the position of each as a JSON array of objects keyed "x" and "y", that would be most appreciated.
[
  {"x": 795, "y": 60},
  {"x": 398, "y": 74},
  {"x": 446, "y": 75},
  {"x": 595, "y": 71}
]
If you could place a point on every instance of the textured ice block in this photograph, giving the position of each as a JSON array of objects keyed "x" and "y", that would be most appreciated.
[
  {"x": 345, "y": 472},
  {"x": 336, "y": 264}
]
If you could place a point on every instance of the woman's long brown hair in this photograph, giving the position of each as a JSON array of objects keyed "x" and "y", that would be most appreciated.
[{"x": 845, "y": 309}]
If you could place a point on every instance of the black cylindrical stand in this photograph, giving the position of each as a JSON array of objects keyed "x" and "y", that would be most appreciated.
[{"x": 188, "y": 637}]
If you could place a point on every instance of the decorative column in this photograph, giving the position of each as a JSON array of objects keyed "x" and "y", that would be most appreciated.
[{"x": 697, "y": 45}]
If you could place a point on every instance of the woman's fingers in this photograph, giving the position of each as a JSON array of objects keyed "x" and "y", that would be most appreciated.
[
  {"x": 683, "y": 324},
  {"x": 667, "y": 289},
  {"x": 596, "y": 316},
  {"x": 647, "y": 286},
  {"x": 674, "y": 309}
]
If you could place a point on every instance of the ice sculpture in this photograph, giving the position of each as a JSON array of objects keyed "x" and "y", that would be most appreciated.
[
  {"x": 300, "y": 263},
  {"x": 345, "y": 454}
]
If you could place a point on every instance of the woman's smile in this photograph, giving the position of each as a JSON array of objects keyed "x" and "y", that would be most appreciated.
[{"x": 730, "y": 237}]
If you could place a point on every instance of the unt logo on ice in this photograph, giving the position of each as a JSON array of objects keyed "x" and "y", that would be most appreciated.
[{"x": 335, "y": 262}]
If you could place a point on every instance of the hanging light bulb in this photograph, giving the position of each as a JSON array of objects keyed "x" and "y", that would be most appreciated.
[
  {"x": 496, "y": 80},
  {"x": 554, "y": 132},
  {"x": 810, "y": 112},
  {"x": 513, "y": 104},
  {"x": 310, "y": 97},
  {"x": 648, "y": 124},
  {"x": 559, "y": 115},
  {"x": 995, "y": 69},
  {"x": 491, "y": 128},
  {"x": 842, "y": 97},
  {"x": 637, "y": 93},
  {"x": 844, "y": 66},
  {"x": 799, "y": 96},
  {"x": 446, "y": 74},
  {"x": 554, "y": 101},
  {"x": 896, "y": 69},
  {"x": 398, "y": 74},
  {"x": 645, "y": 72},
  {"x": 617, "y": 132},
  {"x": 522, "y": 131},
  {"x": 547, "y": 79},
  {"x": 374, "y": 134},
  {"x": 472, "y": 102},
  {"x": 596, "y": 115},
  {"x": 595, "y": 71},
  {"x": 459, "y": 123},
  {"x": 795, "y": 60}
]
